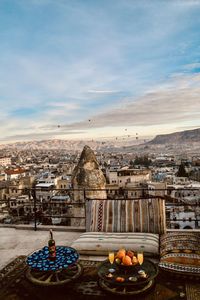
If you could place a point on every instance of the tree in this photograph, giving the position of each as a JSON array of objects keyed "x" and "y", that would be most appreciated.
[
  {"x": 181, "y": 171},
  {"x": 142, "y": 160}
]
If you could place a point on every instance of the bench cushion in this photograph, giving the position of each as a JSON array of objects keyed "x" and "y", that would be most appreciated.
[
  {"x": 180, "y": 253},
  {"x": 142, "y": 215},
  {"x": 100, "y": 243}
]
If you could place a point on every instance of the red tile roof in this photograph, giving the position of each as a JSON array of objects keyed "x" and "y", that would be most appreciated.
[{"x": 15, "y": 171}]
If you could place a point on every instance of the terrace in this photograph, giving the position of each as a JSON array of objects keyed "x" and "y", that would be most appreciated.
[{"x": 19, "y": 238}]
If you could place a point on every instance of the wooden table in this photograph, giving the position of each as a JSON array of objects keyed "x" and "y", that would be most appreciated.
[
  {"x": 45, "y": 272},
  {"x": 140, "y": 285}
]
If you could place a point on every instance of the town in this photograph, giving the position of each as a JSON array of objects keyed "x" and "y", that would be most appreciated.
[{"x": 40, "y": 187}]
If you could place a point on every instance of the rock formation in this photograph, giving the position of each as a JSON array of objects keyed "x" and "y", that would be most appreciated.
[
  {"x": 88, "y": 183},
  {"x": 88, "y": 175}
]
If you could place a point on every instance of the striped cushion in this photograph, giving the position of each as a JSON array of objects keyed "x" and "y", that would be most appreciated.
[
  {"x": 143, "y": 215},
  {"x": 180, "y": 253},
  {"x": 100, "y": 243}
]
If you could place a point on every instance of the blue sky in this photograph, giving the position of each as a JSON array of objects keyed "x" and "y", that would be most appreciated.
[{"x": 118, "y": 63}]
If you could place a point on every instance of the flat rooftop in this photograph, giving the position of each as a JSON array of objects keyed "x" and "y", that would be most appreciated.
[{"x": 15, "y": 242}]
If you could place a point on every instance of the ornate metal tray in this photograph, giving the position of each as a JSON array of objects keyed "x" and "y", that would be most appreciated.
[
  {"x": 149, "y": 267},
  {"x": 65, "y": 257}
]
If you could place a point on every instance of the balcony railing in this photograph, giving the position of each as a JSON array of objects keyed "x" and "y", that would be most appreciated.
[{"x": 67, "y": 206}]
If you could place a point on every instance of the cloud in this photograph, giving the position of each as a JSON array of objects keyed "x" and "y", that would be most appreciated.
[
  {"x": 188, "y": 127},
  {"x": 59, "y": 110},
  {"x": 177, "y": 101},
  {"x": 95, "y": 48},
  {"x": 190, "y": 67},
  {"x": 68, "y": 106},
  {"x": 188, "y": 2},
  {"x": 102, "y": 92},
  {"x": 117, "y": 63}
]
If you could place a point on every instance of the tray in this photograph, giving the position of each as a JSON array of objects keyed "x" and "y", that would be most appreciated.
[
  {"x": 65, "y": 257},
  {"x": 149, "y": 267}
]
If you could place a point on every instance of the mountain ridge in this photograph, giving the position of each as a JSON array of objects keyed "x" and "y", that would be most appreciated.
[
  {"x": 69, "y": 145},
  {"x": 175, "y": 138},
  {"x": 179, "y": 137}
]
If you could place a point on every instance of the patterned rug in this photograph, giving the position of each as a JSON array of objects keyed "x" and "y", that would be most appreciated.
[{"x": 15, "y": 286}]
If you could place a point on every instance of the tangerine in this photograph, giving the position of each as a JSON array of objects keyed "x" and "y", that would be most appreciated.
[
  {"x": 130, "y": 253},
  {"x": 127, "y": 260},
  {"x": 121, "y": 253}
]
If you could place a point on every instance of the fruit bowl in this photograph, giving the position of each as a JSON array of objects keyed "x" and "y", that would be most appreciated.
[
  {"x": 127, "y": 267},
  {"x": 126, "y": 260}
]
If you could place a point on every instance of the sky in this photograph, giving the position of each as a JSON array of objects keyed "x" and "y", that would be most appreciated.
[{"x": 86, "y": 69}]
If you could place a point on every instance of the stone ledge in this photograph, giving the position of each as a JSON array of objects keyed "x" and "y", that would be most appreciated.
[{"x": 45, "y": 227}]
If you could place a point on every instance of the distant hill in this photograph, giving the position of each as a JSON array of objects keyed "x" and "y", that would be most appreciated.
[
  {"x": 51, "y": 145},
  {"x": 69, "y": 145},
  {"x": 184, "y": 138},
  {"x": 187, "y": 136}
]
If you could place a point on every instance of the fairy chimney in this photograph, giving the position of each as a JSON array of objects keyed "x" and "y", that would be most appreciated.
[{"x": 88, "y": 175}]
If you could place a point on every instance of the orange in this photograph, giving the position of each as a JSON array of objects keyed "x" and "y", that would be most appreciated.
[
  {"x": 130, "y": 253},
  {"x": 121, "y": 253},
  {"x": 127, "y": 260}
]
